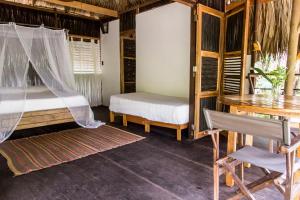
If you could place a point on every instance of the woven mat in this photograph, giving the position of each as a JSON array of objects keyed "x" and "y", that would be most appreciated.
[{"x": 38, "y": 152}]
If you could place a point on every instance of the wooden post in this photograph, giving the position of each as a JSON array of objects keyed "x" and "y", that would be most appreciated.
[
  {"x": 112, "y": 116},
  {"x": 124, "y": 120},
  {"x": 292, "y": 49},
  {"x": 147, "y": 126},
  {"x": 178, "y": 134}
]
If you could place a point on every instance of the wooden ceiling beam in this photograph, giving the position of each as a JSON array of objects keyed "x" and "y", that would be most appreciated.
[
  {"x": 147, "y": 3},
  {"x": 189, "y": 3},
  {"x": 85, "y": 7},
  {"x": 49, "y": 10}
]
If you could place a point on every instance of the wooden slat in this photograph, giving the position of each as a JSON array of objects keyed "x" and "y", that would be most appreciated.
[
  {"x": 26, "y": 126},
  {"x": 143, "y": 121},
  {"x": 189, "y": 3},
  {"x": 85, "y": 7},
  {"x": 210, "y": 54},
  {"x": 45, "y": 112},
  {"x": 234, "y": 5},
  {"x": 45, "y": 118},
  {"x": 136, "y": 119},
  {"x": 49, "y": 10},
  {"x": 233, "y": 53},
  {"x": 211, "y": 11}
]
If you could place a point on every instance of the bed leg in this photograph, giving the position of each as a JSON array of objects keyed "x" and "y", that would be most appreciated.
[
  {"x": 178, "y": 134},
  {"x": 147, "y": 127},
  {"x": 124, "y": 120},
  {"x": 112, "y": 117}
]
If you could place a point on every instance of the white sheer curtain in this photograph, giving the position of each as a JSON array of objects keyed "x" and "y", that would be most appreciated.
[
  {"x": 90, "y": 86},
  {"x": 48, "y": 52}
]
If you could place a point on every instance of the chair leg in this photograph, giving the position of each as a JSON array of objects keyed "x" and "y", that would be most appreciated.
[
  {"x": 216, "y": 181},
  {"x": 215, "y": 138},
  {"x": 238, "y": 181},
  {"x": 257, "y": 185},
  {"x": 241, "y": 172}
]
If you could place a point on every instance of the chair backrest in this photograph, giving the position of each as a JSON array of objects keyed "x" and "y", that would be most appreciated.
[{"x": 268, "y": 128}]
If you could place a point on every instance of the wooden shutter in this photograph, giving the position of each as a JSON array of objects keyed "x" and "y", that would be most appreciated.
[{"x": 235, "y": 49}]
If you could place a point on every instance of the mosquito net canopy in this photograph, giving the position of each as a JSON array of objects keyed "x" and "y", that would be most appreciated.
[{"x": 47, "y": 52}]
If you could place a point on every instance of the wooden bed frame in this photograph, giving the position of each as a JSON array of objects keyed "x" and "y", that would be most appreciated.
[
  {"x": 44, "y": 118},
  {"x": 147, "y": 123}
]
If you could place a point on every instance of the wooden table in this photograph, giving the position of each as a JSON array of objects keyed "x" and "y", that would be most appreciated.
[{"x": 286, "y": 106}]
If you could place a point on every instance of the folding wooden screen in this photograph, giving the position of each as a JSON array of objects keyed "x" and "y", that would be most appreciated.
[
  {"x": 210, "y": 25},
  {"x": 221, "y": 51},
  {"x": 235, "y": 51}
]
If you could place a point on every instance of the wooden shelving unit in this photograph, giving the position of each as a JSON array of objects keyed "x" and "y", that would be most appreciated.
[{"x": 128, "y": 63}]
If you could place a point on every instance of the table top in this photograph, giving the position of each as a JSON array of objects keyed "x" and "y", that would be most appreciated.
[{"x": 284, "y": 106}]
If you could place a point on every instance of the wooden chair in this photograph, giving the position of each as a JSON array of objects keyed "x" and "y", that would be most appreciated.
[{"x": 279, "y": 167}]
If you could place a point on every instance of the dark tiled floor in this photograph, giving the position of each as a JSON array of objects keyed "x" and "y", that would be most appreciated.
[{"x": 155, "y": 168}]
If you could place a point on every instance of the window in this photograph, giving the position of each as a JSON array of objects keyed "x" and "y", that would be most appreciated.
[{"x": 85, "y": 55}]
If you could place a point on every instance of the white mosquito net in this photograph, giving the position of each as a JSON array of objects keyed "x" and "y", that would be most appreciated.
[{"x": 47, "y": 51}]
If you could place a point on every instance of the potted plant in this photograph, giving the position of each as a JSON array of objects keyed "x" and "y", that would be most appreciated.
[{"x": 272, "y": 69}]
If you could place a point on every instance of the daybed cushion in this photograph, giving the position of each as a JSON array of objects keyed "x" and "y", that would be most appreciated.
[
  {"x": 154, "y": 107},
  {"x": 38, "y": 99}
]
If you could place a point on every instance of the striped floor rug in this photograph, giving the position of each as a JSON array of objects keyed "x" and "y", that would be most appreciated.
[{"x": 38, "y": 152}]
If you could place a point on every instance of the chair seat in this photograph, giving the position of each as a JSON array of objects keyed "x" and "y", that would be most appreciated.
[{"x": 263, "y": 158}]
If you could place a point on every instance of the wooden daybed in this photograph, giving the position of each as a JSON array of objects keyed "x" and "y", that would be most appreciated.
[{"x": 151, "y": 110}]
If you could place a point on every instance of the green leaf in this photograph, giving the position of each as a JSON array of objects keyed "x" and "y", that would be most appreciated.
[{"x": 260, "y": 72}]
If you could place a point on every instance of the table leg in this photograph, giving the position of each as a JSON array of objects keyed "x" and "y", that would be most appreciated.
[
  {"x": 231, "y": 147},
  {"x": 249, "y": 142}
]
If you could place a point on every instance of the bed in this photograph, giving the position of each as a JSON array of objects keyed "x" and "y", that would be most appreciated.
[
  {"x": 151, "y": 109},
  {"x": 42, "y": 108}
]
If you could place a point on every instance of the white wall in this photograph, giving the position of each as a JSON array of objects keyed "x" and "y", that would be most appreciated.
[
  {"x": 163, "y": 50},
  {"x": 111, "y": 58}
]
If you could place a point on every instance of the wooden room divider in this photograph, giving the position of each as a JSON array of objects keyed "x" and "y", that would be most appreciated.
[
  {"x": 235, "y": 47},
  {"x": 209, "y": 47},
  {"x": 221, "y": 52}
]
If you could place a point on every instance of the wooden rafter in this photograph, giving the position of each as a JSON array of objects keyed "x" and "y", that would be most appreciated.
[
  {"x": 186, "y": 2},
  {"x": 49, "y": 10},
  {"x": 85, "y": 7},
  {"x": 136, "y": 7}
]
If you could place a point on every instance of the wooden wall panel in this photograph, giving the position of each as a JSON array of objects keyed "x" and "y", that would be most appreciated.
[
  {"x": 234, "y": 32},
  {"x": 216, "y": 4},
  {"x": 210, "y": 33},
  {"x": 75, "y": 25},
  {"x": 127, "y": 21},
  {"x": 209, "y": 103},
  {"x": 209, "y": 74},
  {"x": 129, "y": 48},
  {"x": 128, "y": 65}
]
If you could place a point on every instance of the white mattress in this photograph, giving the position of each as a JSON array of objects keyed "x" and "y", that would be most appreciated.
[
  {"x": 40, "y": 98},
  {"x": 153, "y": 107}
]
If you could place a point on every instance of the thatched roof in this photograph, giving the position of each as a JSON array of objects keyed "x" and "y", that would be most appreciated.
[{"x": 274, "y": 25}]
